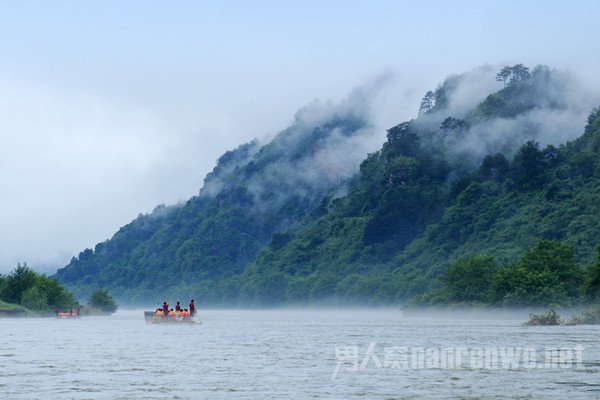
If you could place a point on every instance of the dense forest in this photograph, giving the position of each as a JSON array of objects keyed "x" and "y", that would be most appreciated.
[{"x": 487, "y": 196}]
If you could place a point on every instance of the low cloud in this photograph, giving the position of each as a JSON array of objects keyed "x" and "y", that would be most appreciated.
[
  {"x": 75, "y": 167},
  {"x": 561, "y": 101},
  {"x": 323, "y": 146}
]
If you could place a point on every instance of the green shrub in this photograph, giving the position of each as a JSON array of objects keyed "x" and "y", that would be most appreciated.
[{"x": 102, "y": 301}]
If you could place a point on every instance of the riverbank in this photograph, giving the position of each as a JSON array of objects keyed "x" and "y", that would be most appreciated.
[{"x": 13, "y": 310}]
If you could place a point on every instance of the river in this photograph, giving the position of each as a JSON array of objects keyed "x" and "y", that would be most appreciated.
[{"x": 298, "y": 354}]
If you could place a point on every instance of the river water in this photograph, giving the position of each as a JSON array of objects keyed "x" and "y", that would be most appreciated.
[{"x": 298, "y": 354}]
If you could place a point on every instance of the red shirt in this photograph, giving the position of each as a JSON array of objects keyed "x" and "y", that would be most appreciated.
[{"x": 166, "y": 308}]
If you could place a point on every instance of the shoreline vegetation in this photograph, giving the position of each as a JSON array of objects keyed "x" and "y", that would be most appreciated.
[
  {"x": 547, "y": 275},
  {"x": 40, "y": 296},
  {"x": 13, "y": 310},
  {"x": 590, "y": 316},
  {"x": 26, "y": 293}
]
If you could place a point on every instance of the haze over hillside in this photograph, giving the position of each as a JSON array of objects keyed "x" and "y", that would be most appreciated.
[
  {"x": 110, "y": 108},
  {"x": 294, "y": 220}
]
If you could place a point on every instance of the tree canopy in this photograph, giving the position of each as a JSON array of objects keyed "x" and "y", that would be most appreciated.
[
  {"x": 34, "y": 291},
  {"x": 102, "y": 301}
]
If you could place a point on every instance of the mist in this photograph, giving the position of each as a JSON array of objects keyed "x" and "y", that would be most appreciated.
[
  {"x": 321, "y": 149},
  {"x": 111, "y": 109},
  {"x": 95, "y": 167},
  {"x": 356, "y": 126},
  {"x": 560, "y": 103}
]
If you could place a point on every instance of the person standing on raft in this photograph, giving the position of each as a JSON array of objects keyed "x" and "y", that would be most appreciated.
[{"x": 192, "y": 308}]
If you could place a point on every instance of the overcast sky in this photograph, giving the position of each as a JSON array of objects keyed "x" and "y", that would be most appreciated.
[{"x": 108, "y": 108}]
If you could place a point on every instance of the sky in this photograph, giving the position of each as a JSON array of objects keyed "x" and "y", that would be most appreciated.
[{"x": 109, "y": 108}]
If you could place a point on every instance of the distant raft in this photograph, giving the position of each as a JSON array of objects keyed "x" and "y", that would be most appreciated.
[
  {"x": 67, "y": 314},
  {"x": 156, "y": 317}
]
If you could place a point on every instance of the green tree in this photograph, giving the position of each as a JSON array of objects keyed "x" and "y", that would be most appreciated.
[
  {"x": 2, "y": 285},
  {"x": 592, "y": 283},
  {"x": 323, "y": 287},
  {"x": 402, "y": 170},
  {"x": 403, "y": 140},
  {"x": 427, "y": 103},
  {"x": 515, "y": 74},
  {"x": 494, "y": 168},
  {"x": 470, "y": 280},
  {"x": 529, "y": 166},
  {"x": 56, "y": 295},
  {"x": 102, "y": 300},
  {"x": 35, "y": 299},
  {"x": 454, "y": 124},
  {"x": 519, "y": 73},
  {"x": 35, "y": 291},
  {"x": 17, "y": 282},
  {"x": 547, "y": 274},
  {"x": 503, "y": 75},
  {"x": 265, "y": 288}
]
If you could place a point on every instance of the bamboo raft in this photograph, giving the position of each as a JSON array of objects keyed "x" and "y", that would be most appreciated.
[{"x": 152, "y": 318}]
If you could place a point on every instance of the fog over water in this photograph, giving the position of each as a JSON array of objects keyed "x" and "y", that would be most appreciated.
[{"x": 299, "y": 354}]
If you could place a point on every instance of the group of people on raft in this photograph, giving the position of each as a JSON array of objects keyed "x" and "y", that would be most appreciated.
[
  {"x": 178, "y": 312},
  {"x": 67, "y": 314}
]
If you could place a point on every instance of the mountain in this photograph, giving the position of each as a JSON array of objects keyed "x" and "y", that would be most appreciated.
[
  {"x": 491, "y": 166},
  {"x": 430, "y": 197},
  {"x": 254, "y": 192}
]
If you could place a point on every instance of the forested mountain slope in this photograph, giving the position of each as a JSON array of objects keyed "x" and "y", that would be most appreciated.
[
  {"x": 479, "y": 171},
  {"x": 253, "y": 192},
  {"x": 422, "y": 203}
]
